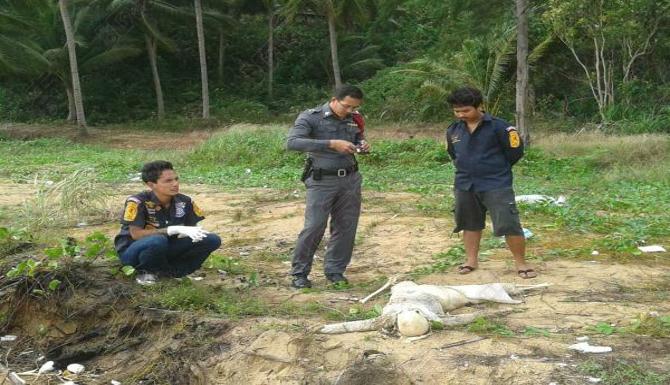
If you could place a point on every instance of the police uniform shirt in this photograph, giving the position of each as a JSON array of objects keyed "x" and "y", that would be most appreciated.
[
  {"x": 484, "y": 158},
  {"x": 312, "y": 131},
  {"x": 144, "y": 210}
]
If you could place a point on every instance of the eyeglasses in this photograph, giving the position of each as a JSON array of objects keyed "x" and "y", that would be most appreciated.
[{"x": 348, "y": 107}]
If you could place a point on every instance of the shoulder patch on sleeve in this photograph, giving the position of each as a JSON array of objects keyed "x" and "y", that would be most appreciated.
[
  {"x": 511, "y": 128},
  {"x": 197, "y": 210},
  {"x": 514, "y": 140},
  {"x": 130, "y": 213}
]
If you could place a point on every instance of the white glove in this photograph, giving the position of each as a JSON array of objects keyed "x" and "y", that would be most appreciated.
[{"x": 196, "y": 233}]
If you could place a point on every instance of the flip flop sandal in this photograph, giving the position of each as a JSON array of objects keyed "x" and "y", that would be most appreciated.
[
  {"x": 465, "y": 269},
  {"x": 526, "y": 274}
]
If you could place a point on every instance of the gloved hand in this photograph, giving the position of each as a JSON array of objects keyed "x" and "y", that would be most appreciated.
[{"x": 196, "y": 233}]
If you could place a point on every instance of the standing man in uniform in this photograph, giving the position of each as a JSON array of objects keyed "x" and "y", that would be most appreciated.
[
  {"x": 158, "y": 233},
  {"x": 484, "y": 149},
  {"x": 331, "y": 135}
]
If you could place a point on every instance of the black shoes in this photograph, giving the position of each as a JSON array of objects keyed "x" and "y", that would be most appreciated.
[
  {"x": 337, "y": 278},
  {"x": 301, "y": 282}
]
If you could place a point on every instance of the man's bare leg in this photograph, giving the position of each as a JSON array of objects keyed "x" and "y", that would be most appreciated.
[
  {"x": 517, "y": 245},
  {"x": 471, "y": 241}
]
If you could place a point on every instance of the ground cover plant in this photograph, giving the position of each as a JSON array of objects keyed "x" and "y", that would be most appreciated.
[
  {"x": 615, "y": 202},
  {"x": 613, "y": 191}
]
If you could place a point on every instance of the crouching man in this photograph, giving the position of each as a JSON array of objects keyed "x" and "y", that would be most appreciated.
[{"x": 158, "y": 233}]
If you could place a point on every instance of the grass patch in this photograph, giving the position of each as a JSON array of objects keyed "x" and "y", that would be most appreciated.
[
  {"x": 617, "y": 187},
  {"x": 230, "y": 265},
  {"x": 186, "y": 296},
  {"x": 650, "y": 325},
  {"x": 531, "y": 331},
  {"x": 12, "y": 240},
  {"x": 608, "y": 151},
  {"x": 54, "y": 158},
  {"x": 488, "y": 327},
  {"x": 621, "y": 372},
  {"x": 604, "y": 328},
  {"x": 75, "y": 199},
  {"x": 443, "y": 262}
]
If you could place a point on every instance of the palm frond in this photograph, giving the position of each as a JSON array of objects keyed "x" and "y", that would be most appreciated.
[
  {"x": 20, "y": 57},
  {"x": 118, "y": 5},
  {"x": 218, "y": 18},
  {"x": 368, "y": 51},
  {"x": 155, "y": 34},
  {"x": 168, "y": 9},
  {"x": 111, "y": 56},
  {"x": 371, "y": 63},
  {"x": 538, "y": 52},
  {"x": 432, "y": 89}
]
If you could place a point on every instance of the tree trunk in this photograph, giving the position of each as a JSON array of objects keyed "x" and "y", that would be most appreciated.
[
  {"x": 151, "y": 51},
  {"x": 71, "y": 109},
  {"x": 203, "y": 59},
  {"x": 76, "y": 87},
  {"x": 332, "y": 33},
  {"x": 271, "y": 18},
  {"x": 219, "y": 68},
  {"x": 522, "y": 70}
]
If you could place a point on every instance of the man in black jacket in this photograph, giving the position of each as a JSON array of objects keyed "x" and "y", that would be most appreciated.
[{"x": 484, "y": 149}]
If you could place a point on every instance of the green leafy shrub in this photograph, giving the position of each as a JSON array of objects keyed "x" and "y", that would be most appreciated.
[
  {"x": 254, "y": 148},
  {"x": 12, "y": 239}
]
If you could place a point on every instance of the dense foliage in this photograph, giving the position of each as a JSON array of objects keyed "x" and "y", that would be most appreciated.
[{"x": 599, "y": 61}]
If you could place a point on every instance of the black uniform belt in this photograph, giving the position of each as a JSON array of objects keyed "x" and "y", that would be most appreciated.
[{"x": 339, "y": 172}]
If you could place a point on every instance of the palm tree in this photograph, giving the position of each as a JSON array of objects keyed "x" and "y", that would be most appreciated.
[
  {"x": 220, "y": 16},
  {"x": 270, "y": 5},
  {"x": 147, "y": 14},
  {"x": 74, "y": 70},
  {"x": 332, "y": 10},
  {"x": 522, "y": 69},
  {"x": 203, "y": 58},
  {"x": 482, "y": 62},
  {"x": 31, "y": 42}
]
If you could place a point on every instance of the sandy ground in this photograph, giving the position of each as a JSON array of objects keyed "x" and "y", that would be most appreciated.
[{"x": 394, "y": 238}]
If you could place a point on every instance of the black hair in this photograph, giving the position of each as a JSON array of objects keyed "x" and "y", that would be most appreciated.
[
  {"x": 465, "y": 96},
  {"x": 345, "y": 90},
  {"x": 152, "y": 171}
]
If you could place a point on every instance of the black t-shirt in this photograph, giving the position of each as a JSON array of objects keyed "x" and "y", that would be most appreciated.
[{"x": 144, "y": 210}]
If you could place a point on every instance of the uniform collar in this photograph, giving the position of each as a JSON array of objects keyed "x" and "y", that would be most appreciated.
[
  {"x": 153, "y": 198},
  {"x": 486, "y": 118},
  {"x": 327, "y": 112}
]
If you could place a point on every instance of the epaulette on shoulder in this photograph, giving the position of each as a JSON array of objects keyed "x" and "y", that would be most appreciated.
[
  {"x": 314, "y": 110},
  {"x": 134, "y": 198},
  {"x": 183, "y": 198},
  {"x": 498, "y": 120}
]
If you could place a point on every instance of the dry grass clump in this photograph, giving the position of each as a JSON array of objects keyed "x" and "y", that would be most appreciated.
[
  {"x": 643, "y": 156},
  {"x": 608, "y": 150},
  {"x": 76, "y": 199}
]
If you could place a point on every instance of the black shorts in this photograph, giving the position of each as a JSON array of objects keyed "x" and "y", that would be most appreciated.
[{"x": 471, "y": 207}]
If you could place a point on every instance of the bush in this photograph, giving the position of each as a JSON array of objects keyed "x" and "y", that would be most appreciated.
[
  {"x": 411, "y": 152},
  {"x": 253, "y": 148},
  {"x": 396, "y": 96},
  {"x": 238, "y": 110}
]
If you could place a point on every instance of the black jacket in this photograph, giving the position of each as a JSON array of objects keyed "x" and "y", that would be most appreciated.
[{"x": 484, "y": 159}]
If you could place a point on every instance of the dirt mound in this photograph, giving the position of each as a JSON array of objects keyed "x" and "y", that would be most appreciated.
[{"x": 94, "y": 321}]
